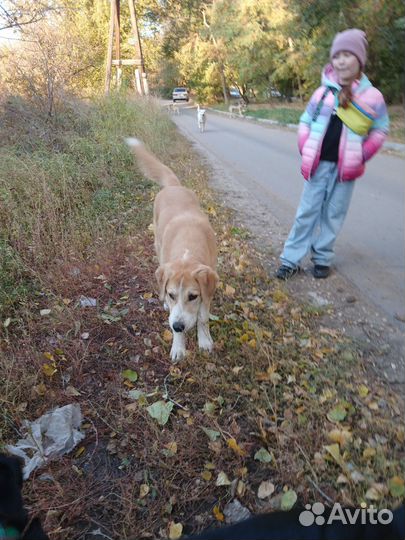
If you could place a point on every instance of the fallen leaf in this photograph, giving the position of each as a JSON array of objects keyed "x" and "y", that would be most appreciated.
[
  {"x": 71, "y": 391},
  {"x": 209, "y": 408},
  {"x": 288, "y": 500},
  {"x": 229, "y": 291},
  {"x": 337, "y": 414},
  {"x": 369, "y": 452},
  {"x": 362, "y": 390},
  {"x": 45, "y": 312},
  {"x": 175, "y": 530},
  {"x": 265, "y": 489},
  {"x": 143, "y": 490},
  {"x": 235, "y": 447},
  {"x": 222, "y": 480},
  {"x": 49, "y": 369},
  {"x": 219, "y": 516},
  {"x": 334, "y": 451},
  {"x": 211, "y": 433},
  {"x": 373, "y": 494},
  {"x": 167, "y": 336},
  {"x": 396, "y": 486},
  {"x": 130, "y": 375},
  {"x": 236, "y": 369},
  {"x": 340, "y": 436},
  {"x": 160, "y": 411},
  {"x": 263, "y": 456},
  {"x": 206, "y": 475},
  {"x": 79, "y": 451}
]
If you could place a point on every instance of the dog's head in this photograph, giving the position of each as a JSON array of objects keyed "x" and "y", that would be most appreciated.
[{"x": 184, "y": 287}]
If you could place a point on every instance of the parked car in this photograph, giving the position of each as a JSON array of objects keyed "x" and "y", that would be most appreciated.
[
  {"x": 234, "y": 93},
  {"x": 180, "y": 94}
]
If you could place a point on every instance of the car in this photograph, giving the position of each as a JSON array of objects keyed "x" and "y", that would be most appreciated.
[
  {"x": 234, "y": 93},
  {"x": 180, "y": 94}
]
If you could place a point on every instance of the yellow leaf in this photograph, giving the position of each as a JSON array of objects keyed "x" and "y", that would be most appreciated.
[
  {"x": 48, "y": 356},
  {"x": 244, "y": 338},
  {"x": 369, "y": 452},
  {"x": 241, "y": 488},
  {"x": 167, "y": 336},
  {"x": 334, "y": 451},
  {"x": 279, "y": 296},
  {"x": 143, "y": 490},
  {"x": 340, "y": 436},
  {"x": 218, "y": 514},
  {"x": 206, "y": 475},
  {"x": 80, "y": 451},
  {"x": 40, "y": 389},
  {"x": 175, "y": 530},
  {"x": 229, "y": 291},
  {"x": 373, "y": 406},
  {"x": 147, "y": 295},
  {"x": 49, "y": 370},
  {"x": 252, "y": 343},
  {"x": 363, "y": 390},
  {"x": 172, "y": 447},
  {"x": 235, "y": 447}
]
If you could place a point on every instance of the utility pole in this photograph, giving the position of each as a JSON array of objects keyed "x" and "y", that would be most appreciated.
[{"x": 140, "y": 78}]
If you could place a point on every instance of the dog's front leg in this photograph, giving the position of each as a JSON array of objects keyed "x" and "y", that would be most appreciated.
[
  {"x": 178, "y": 350},
  {"x": 205, "y": 341}
]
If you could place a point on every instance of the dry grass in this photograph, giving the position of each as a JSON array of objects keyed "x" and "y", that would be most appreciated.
[{"x": 273, "y": 379}]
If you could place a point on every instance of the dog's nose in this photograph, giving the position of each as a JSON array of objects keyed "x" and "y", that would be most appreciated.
[{"x": 178, "y": 326}]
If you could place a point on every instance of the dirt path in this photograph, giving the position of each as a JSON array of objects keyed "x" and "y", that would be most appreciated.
[{"x": 345, "y": 307}]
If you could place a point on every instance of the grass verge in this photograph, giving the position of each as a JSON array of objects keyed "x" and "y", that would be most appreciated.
[{"x": 290, "y": 114}]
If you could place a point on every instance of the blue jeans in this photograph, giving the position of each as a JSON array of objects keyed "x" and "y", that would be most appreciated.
[{"x": 319, "y": 218}]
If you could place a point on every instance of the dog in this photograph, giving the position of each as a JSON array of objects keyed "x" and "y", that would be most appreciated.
[
  {"x": 240, "y": 108},
  {"x": 14, "y": 520},
  {"x": 174, "y": 108},
  {"x": 201, "y": 119},
  {"x": 281, "y": 525},
  {"x": 186, "y": 249}
]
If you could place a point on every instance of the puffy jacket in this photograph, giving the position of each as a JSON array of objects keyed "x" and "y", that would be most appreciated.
[{"x": 354, "y": 149}]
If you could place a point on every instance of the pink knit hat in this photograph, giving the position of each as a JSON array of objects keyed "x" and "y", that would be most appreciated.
[{"x": 352, "y": 40}]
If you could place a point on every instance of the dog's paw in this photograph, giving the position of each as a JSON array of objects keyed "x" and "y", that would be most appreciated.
[
  {"x": 177, "y": 353},
  {"x": 205, "y": 342}
]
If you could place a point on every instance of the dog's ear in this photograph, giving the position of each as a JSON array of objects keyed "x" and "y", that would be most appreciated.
[
  {"x": 207, "y": 279},
  {"x": 162, "y": 276}
]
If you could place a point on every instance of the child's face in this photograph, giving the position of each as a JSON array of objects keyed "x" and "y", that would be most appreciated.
[{"x": 346, "y": 66}]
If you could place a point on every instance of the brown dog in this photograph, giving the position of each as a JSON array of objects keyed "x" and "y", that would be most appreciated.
[{"x": 186, "y": 248}]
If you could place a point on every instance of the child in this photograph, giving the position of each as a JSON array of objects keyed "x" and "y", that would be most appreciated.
[{"x": 343, "y": 126}]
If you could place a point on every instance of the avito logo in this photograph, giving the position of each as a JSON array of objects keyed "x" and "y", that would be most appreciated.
[{"x": 313, "y": 514}]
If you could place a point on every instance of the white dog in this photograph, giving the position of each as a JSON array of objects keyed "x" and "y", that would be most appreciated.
[
  {"x": 201, "y": 119},
  {"x": 240, "y": 108},
  {"x": 186, "y": 248},
  {"x": 174, "y": 108}
]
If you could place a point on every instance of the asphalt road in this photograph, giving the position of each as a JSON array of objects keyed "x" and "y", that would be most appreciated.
[{"x": 369, "y": 250}]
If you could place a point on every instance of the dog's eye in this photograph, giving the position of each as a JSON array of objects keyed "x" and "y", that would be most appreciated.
[
  {"x": 192, "y": 297},
  {"x": 171, "y": 295}
]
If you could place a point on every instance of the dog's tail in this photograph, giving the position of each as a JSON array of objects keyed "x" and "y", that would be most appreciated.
[{"x": 151, "y": 167}]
